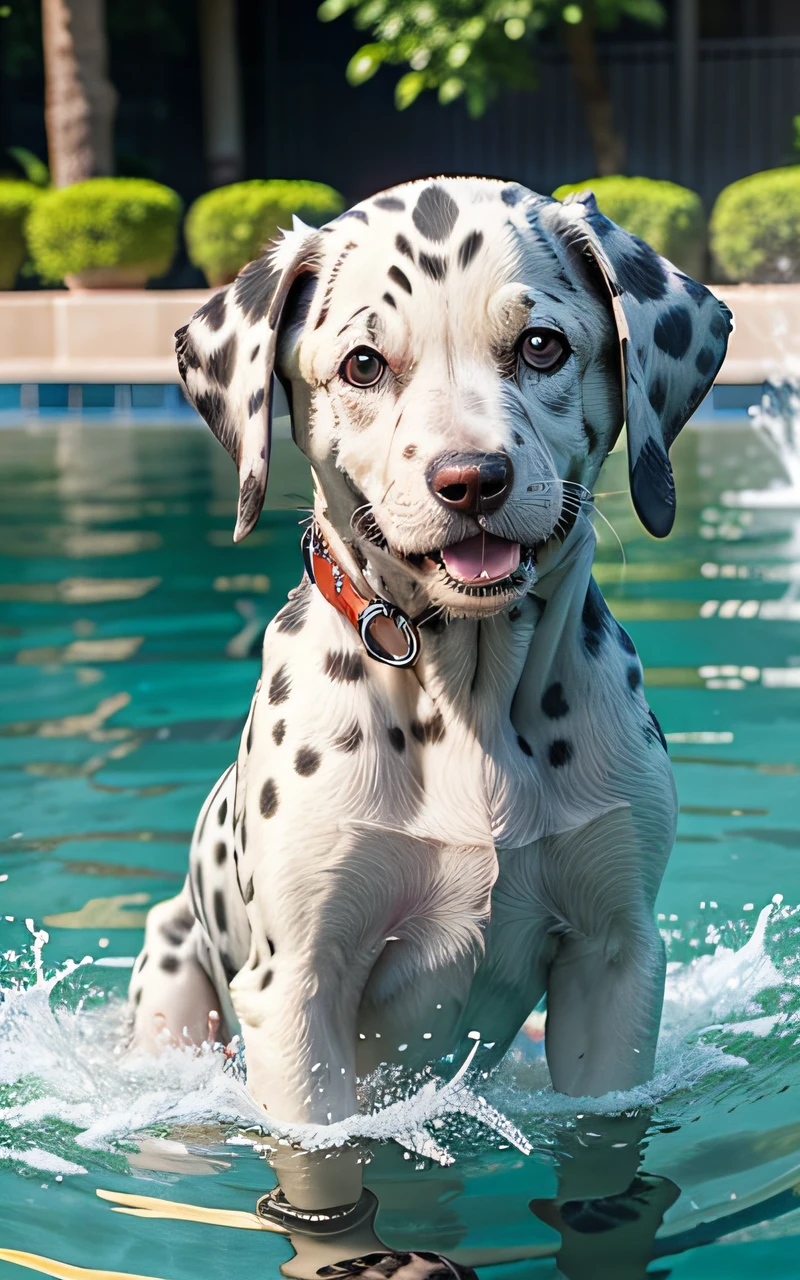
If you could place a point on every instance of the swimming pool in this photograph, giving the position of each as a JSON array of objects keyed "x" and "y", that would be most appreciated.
[{"x": 129, "y": 625}]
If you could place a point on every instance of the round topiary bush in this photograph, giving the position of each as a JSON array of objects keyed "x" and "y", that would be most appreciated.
[
  {"x": 755, "y": 228},
  {"x": 16, "y": 201},
  {"x": 104, "y": 233},
  {"x": 668, "y": 217},
  {"x": 228, "y": 227}
]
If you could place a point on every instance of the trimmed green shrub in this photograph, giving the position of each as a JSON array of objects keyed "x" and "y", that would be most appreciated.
[
  {"x": 668, "y": 217},
  {"x": 16, "y": 201},
  {"x": 755, "y": 228},
  {"x": 230, "y": 226},
  {"x": 127, "y": 226}
]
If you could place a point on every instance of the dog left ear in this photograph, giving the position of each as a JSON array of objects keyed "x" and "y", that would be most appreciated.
[
  {"x": 673, "y": 335},
  {"x": 226, "y": 356}
]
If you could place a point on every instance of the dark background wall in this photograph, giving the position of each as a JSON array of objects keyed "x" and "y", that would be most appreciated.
[{"x": 303, "y": 120}]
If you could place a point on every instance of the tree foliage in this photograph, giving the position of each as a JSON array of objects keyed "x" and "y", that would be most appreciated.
[{"x": 467, "y": 48}]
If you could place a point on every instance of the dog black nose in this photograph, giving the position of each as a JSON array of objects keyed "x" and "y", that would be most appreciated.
[{"x": 473, "y": 483}]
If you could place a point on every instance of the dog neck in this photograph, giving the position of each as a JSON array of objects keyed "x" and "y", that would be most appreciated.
[{"x": 522, "y": 640}]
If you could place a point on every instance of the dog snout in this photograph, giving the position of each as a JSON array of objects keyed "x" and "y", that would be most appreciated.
[{"x": 472, "y": 483}]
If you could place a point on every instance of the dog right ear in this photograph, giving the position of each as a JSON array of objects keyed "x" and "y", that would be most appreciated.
[{"x": 226, "y": 355}]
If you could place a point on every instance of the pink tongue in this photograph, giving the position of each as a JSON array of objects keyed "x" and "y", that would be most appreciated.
[{"x": 481, "y": 558}]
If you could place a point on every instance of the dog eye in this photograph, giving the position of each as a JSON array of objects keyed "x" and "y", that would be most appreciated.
[
  {"x": 362, "y": 368},
  {"x": 544, "y": 349}
]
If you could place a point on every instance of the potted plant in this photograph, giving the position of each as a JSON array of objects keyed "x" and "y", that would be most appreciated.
[
  {"x": 106, "y": 233},
  {"x": 230, "y": 226}
]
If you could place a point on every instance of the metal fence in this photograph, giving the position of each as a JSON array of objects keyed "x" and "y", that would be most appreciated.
[{"x": 747, "y": 93}]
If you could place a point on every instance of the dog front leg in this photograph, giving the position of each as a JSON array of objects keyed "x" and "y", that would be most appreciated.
[
  {"x": 604, "y": 998},
  {"x": 298, "y": 1018}
]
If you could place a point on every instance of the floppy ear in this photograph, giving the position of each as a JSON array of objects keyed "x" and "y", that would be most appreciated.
[
  {"x": 226, "y": 355},
  {"x": 673, "y": 335}
]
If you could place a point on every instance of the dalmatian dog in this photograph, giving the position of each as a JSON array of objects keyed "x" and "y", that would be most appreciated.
[{"x": 450, "y": 796}]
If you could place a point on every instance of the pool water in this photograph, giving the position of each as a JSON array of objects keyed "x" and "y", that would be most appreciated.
[{"x": 129, "y": 630}]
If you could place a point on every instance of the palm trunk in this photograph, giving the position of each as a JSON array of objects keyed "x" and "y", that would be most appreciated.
[
  {"x": 609, "y": 148},
  {"x": 80, "y": 101}
]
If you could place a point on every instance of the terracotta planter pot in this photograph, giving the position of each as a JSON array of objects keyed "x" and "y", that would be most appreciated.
[{"x": 110, "y": 277}]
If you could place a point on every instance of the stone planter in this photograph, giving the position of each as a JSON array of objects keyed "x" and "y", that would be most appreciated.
[{"x": 135, "y": 277}]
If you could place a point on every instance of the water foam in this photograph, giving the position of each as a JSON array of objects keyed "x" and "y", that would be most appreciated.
[{"x": 68, "y": 1089}]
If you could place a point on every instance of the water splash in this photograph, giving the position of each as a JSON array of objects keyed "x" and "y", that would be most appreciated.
[
  {"x": 776, "y": 419},
  {"x": 70, "y": 1096}
]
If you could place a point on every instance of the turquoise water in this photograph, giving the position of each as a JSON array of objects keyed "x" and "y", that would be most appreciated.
[{"x": 128, "y": 628}]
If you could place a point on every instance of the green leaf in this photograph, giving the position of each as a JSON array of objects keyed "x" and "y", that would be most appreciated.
[
  {"x": 363, "y": 64},
  {"x": 450, "y": 89},
  {"x": 408, "y": 89},
  {"x": 330, "y": 9},
  {"x": 458, "y": 54},
  {"x": 514, "y": 28},
  {"x": 35, "y": 170},
  {"x": 572, "y": 14}
]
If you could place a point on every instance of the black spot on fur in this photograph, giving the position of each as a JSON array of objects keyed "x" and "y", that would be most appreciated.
[
  {"x": 400, "y": 278},
  {"x": 432, "y": 730},
  {"x": 397, "y": 738},
  {"x": 657, "y": 395},
  {"x": 391, "y": 203},
  {"x": 142, "y": 961},
  {"x": 518, "y": 439},
  {"x": 511, "y": 195},
  {"x": 170, "y": 964},
  {"x": 658, "y": 729},
  {"x": 279, "y": 687},
  {"x": 435, "y": 214},
  {"x": 346, "y": 668},
  {"x": 211, "y": 406},
  {"x": 278, "y": 732},
  {"x": 403, "y": 246},
  {"x": 255, "y": 402},
  {"x": 249, "y": 892},
  {"x": 524, "y": 745},
  {"x": 593, "y": 618},
  {"x": 220, "y": 853},
  {"x": 306, "y": 762},
  {"x": 554, "y": 704},
  {"x": 213, "y": 311},
  {"x": 138, "y": 997},
  {"x": 268, "y": 800},
  {"x": 433, "y": 266},
  {"x": 625, "y": 640},
  {"x": 223, "y": 813},
  {"x": 720, "y": 323},
  {"x": 350, "y": 740},
  {"x": 387, "y": 297},
  {"x": 249, "y": 744},
  {"x": 653, "y": 489},
  {"x": 559, "y": 753},
  {"x": 353, "y": 213},
  {"x": 292, "y": 616},
  {"x": 244, "y": 837},
  {"x": 697, "y": 292},
  {"x": 634, "y": 677},
  {"x": 639, "y": 271},
  {"x": 220, "y": 914},
  {"x": 266, "y": 980},
  {"x": 673, "y": 332},
  {"x": 255, "y": 352},
  {"x": 221, "y": 362},
  {"x": 185, "y": 351},
  {"x": 469, "y": 248},
  {"x": 706, "y": 359},
  {"x": 254, "y": 288},
  {"x": 172, "y": 935}
]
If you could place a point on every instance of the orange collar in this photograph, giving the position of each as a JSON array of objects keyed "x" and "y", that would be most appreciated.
[{"x": 387, "y": 634}]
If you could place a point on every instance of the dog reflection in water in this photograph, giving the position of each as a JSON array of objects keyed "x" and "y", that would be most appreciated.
[{"x": 450, "y": 797}]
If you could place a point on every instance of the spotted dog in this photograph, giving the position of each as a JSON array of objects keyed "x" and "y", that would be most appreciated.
[{"x": 411, "y": 849}]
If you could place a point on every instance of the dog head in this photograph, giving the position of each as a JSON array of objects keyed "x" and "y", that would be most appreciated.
[{"x": 459, "y": 357}]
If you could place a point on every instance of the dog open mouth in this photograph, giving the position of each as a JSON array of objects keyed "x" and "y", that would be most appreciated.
[{"x": 483, "y": 565}]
